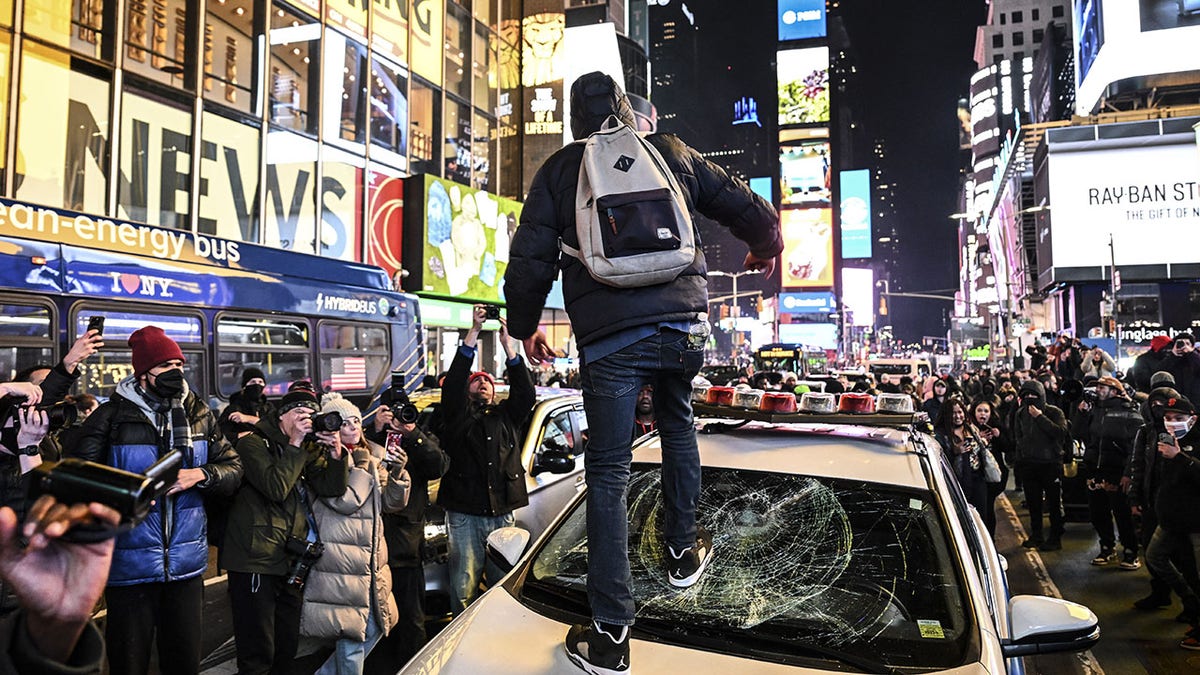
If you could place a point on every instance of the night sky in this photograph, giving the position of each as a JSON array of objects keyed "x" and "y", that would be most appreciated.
[{"x": 916, "y": 61}]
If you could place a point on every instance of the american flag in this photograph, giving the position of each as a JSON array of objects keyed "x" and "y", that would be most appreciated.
[{"x": 349, "y": 372}]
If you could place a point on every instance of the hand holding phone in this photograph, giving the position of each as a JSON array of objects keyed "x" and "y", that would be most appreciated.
[
  {"x": 1168, "y": 447},
  {"x": 96, "y": 323},
  {"x": 395, "y": 457}
]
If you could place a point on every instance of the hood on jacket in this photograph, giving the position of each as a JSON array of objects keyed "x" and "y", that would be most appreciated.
[
  {"x": 127, "y": 389},
  {"x": 1035, "y": 387},
  {"x": 594, "y": 97}
]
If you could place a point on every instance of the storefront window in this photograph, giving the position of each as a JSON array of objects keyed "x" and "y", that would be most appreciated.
[
  {"x": 75, "y": 24},
  {"x": 483, "y": 69},
  {"x": 62, "y": 132},
  {"x": 294, "y": 70},
  {"x": 156, "y": 162},
  {"x": 458, "y": 143},
  {"x": 290, "y": 216},
  {"x": 425, "y": 113},
  {"x": 229, "y": 179},
  {"x": 485, "y": 11},
  {"x": 389, "y": 29},
  {"x": 346, "y": 97},
  {"x": 341, "y": 205},
  {"x": 483, "y": 151},
  {"x": 458, "y": 50},
  {"x": 157, "y": 42},
  {"x": 389, "y": 112},
  {"x": 229, "y": 45}
]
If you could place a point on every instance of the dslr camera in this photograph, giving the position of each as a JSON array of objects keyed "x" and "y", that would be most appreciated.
[
  {"x": 61, "y": 414},
  {"x": 73, "y": 481},
  {"x": 330, "y": 421},
  {"x": 304, "y": 554},
  {"x": 397, "y": 400}
]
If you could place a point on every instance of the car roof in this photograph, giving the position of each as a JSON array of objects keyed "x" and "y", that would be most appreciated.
[
  {"x": 855, "y": 452},
  {"x": 426, "y": 397}
]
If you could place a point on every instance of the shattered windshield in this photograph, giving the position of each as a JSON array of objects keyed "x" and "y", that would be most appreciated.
[{"x": 803, "y": 568}]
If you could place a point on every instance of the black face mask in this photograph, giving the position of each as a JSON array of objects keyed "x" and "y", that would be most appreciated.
[
  {"x": 252, "y": 392},
  {"x": 169, "y": 384}
]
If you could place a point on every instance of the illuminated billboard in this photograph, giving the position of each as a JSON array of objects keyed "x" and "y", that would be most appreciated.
[
  {"x": 812, "y": 302},
  {"x": 817, "y": 334},
  {"x": 462, "y": 239},
  {"x": 1146, "y": 196},
  {"x": 801, "y": 19},
  {"x": 856, "y": 214},
  {"x": 858, "y": 295},
  {"x": 1119, "y": 41},
  {"x": 804, "y": 174},
  {"x": 803, "y": 76},
  {"x": 807, "y": 248}
]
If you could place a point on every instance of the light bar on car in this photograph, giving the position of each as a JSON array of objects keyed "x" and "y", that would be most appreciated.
[
  {"x": 720, "y": 396},
  {"x": 818, "y": 402},
  {"x": 778, "y": 403},
  {"x": 859, "y": 404},
  {"x": 700, "y": 393},
  {"x": 894, "y": 403},
  {"x": 749, "y": 399}
]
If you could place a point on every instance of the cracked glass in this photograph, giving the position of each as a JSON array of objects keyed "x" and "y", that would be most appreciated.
[{"x": 804, "y": 568}]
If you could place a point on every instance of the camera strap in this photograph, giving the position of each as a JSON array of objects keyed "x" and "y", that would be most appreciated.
[{"x": 313, "y": 533}]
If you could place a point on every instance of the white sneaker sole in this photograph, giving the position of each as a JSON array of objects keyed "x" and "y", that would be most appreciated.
[
  {"x": 689, "y": 581},
  {"x": 590, "y": 668}
]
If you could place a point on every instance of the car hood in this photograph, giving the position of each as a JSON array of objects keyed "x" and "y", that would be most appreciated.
[{"x": 500, "y": 636}]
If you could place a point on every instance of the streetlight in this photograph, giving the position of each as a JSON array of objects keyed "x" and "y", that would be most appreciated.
[{"x": 735, "y": 276}]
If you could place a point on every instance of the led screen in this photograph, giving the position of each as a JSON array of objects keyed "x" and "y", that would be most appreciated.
[
  {"x": 803, "y": 85},
  {"x": 464, "y": 239},
  {"x": 801, "y": 19},
  {"x": 1146, "y": 197},
  {"x": 814, "y": 302},
  {"x": 819, "y": 334},
  {"x": 807, "y": 248},
  {"x": 856, "y": 214},
  {"x": 804, "y": 174},
  {"x": 1089, "y": 34},
  {"x": 858, "y": 295}
]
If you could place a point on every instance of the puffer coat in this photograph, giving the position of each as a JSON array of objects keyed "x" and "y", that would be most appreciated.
[{"x": 352, "y": 577}]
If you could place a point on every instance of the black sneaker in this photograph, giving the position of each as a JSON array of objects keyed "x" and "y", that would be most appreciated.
[
  {"x": 598, "y": 651},
  {"x": 1129, "y": 560},
  {"x": 685, "y": 567},
  {"x": 1152, "y": 601},
  {"x": 1107, "y": 555}
]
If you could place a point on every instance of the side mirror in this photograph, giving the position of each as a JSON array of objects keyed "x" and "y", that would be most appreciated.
[
  {"x": 1043, "y": 625},
  {"x": 505, "y": 546},
  {"x": 552, "y": 461}
]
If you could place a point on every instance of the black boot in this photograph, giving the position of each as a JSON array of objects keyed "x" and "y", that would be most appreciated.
[
  {"x": 1191, "y": 611},
  {"x": 1158, "y": 598}
]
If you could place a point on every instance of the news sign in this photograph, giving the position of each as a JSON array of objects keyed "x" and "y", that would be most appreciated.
[
  {"x": 816, "y": 302},
  {"x": 807, "y": 248},
  {"x": 463, "y": 239}
]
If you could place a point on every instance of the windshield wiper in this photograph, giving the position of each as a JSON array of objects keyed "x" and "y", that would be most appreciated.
[{"x": 676, "y": 632}]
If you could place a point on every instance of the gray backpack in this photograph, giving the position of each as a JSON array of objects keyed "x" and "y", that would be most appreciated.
[{"x": 631, "y": 218}]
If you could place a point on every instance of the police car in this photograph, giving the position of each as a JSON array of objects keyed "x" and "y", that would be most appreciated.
[{"x": 841, "y": 542}]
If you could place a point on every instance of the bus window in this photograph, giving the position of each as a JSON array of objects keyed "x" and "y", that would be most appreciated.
[
  {"x": 26, "y": 338},
  {"x": 353, "y": 356},
  {"x": 278, "y": 347},
  {"x": 100, "y": 374}
]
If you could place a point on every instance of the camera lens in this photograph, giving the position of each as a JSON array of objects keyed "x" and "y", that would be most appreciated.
[
  {"x": 330, "y": 421},
  {"x": 408, "y": 414}
]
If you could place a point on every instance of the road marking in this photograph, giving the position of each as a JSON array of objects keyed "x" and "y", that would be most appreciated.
[{"x": 1086, "y": 660}]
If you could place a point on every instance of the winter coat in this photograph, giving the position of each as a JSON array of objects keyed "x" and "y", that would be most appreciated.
[
  {"x": 1186, "y": 370},
  {"x": 261, "y": 409},
  {"x": 405, "y": 530},
  {"x": 1143, "y": 463},
  {"x": 1177, "y": 499},
  {"x": 1107, "y": 432},
  {"x": 268, "y": 510},
  {"x": 1105, "y": 368},
  {"x": 351, "y": 580},
  {"x": 1042, "y": 439},
  {"x": 1145, "y": 366},
  {"x": 19, "y": 654},
  {"x": 486, "y": 475},
  {"x": 172, "y": 542},
  {"x": 596, "y": 309}
]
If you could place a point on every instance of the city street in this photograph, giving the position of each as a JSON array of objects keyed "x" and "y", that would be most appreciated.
[{"x": 1131, "y": 642}]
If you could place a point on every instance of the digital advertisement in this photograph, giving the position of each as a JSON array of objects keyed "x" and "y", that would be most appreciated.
[
  {"x": 804, "y": 174},
  {"x": 803, "y": 85},
  {"x": 807, "y": 248},
  {"x": 856, "y": 213},
  {"x": 858, "y": 295},
  {"x": 801, "y": 19},
  {"x": 464, "y": 240}
]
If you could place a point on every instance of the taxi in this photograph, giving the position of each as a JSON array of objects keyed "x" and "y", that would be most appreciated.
[{"x": 841, "y": 542}]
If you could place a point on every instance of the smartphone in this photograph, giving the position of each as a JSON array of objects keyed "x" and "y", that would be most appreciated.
[
  {"x": 392, "y": 446},
  {"x": 96, "y": 323},
  {"x": 1166, "y": 438}
]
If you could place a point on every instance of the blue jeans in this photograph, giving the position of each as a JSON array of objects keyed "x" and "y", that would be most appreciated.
[
  {"x": 610, "y": 391},
  {"x": 468, "y": 541},
  {"x": 349, "y": 655}
]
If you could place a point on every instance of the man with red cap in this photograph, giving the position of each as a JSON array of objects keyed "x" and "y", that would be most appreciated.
[
  {"x": 1149, "y": 362},
  {"x": 156, "y": 584},
  {"x": 486, "y": 479}
]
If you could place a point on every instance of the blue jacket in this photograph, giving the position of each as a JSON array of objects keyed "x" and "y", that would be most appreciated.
[{"x": 171, "y": 544}]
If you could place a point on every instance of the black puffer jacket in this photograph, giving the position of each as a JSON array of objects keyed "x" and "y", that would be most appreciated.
[
  {"x": 1107, "y": 432},
  {"x": 1042, "y": 439},
  {"x": 596, "y": 309},
  {"x": 1177, "y": 499}
]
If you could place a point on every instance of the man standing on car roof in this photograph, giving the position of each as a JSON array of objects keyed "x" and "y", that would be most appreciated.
[
  {"x": 486, "y": 479},
  {"x": 629, "y": 337}
]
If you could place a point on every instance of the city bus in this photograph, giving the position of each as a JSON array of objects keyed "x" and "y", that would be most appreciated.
[
  {"x": 230, "y": 305},
  {"x": 791, "y": 358}
]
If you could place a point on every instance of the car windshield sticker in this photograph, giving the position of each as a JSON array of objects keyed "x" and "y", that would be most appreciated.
[
  {"x": 931, "y": 628},
  {"x": 802, "y": 562}
]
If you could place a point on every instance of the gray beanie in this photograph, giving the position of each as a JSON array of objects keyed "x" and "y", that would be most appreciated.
[{"x": 1160, "y": 378}]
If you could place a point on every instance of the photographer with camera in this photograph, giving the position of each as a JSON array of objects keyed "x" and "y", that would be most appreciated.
[
  {"x": 58, "y": 584},
  {"x": 271, "y": 537},
  {"x": 348, "y": 597},
  {"x": 24, "y": 427},
  {"x": 1107, "y": 424},
  {"x": 155, "y": 590}
]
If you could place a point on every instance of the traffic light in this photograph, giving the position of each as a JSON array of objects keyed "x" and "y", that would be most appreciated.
[
  {"x": 760, "y": 305},
  {"x": 883, "y": 305},
  {"x": 724, "y": 311}
]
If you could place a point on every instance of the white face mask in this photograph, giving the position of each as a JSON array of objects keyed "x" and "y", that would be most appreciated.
[{"x": 1179, "y": 429}]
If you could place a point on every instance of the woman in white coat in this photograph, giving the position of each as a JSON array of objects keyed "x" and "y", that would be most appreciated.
[{"x": 348, "y": 595}]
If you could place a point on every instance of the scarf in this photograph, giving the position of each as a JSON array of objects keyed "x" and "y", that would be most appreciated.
[{"x": 173, "y": 427}]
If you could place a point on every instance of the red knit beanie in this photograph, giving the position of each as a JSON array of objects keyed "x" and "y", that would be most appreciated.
[
  {"x": 151, "y": 346},
  {"x": 478, "y": 374}
]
